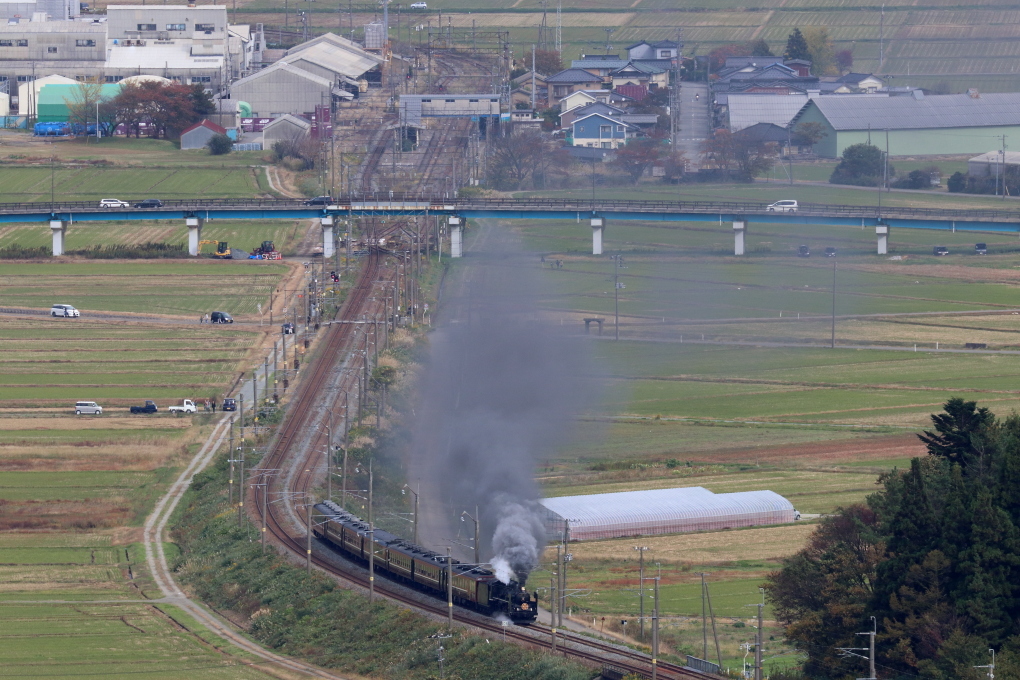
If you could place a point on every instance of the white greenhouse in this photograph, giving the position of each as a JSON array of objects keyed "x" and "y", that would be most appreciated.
[{"x": 661, "y": 511}]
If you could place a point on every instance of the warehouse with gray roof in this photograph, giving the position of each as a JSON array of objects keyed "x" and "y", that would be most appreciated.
[
  {"x": 916, "y": 125},
  {"x": 660, "y": 511}
]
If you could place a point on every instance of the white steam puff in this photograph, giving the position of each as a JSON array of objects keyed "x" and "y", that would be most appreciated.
[
  {"x": 515, "y": 542},
  {"x": 503, "y": 570}
]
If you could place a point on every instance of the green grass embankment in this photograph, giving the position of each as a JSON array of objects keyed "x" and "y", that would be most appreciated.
[{"x": 312, "y": 617}]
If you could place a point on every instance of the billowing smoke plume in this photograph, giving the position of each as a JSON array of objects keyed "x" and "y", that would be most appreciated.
[
  {"x": 515, "y": 543},
  {"x": 500, "y": 393}
]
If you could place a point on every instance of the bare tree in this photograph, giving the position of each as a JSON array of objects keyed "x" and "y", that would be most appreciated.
[
  {"x": 82, "y": 104},
  {"x": 521, "y": 158}
]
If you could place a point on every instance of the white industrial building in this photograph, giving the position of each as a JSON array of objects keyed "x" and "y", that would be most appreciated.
[
  {"x": 316, "y": 73},
  {"x": 188, "y": 44},
  {"x": 661, "y": 511}
]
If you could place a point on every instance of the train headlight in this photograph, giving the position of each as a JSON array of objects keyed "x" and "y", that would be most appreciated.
[{"x": 524, "y": 606}]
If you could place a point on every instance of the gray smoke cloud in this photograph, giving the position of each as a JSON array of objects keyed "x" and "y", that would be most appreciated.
[{"x": 500, "y": 393}]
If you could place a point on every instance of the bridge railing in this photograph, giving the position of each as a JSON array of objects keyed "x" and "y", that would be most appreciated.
[{"x": 387, "y": 199}]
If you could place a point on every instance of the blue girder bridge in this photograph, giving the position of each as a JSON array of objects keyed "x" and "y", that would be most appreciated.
[{"x": 195, "y": 212}]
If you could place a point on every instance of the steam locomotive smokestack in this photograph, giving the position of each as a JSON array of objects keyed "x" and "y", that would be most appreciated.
[{"x": 500, "y": 392}]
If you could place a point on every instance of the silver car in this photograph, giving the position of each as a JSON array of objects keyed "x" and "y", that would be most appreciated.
[{"x": 89, "y": 408}]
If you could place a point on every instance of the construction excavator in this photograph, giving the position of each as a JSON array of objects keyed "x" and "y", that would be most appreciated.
[{"x": 222, "y": 249}]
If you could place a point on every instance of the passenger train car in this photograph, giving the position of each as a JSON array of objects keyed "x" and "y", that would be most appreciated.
[{"x": 473, "y": 586}]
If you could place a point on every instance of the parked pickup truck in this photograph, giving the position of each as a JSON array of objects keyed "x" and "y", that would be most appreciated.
[
  {"x": 150, "y": 407},
  {"x": 187, "y": 407}
]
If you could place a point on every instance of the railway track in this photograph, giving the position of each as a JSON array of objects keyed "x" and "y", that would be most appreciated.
[
  {"x": 293, "y": 468},
  {"x": 287, "y": 527}
]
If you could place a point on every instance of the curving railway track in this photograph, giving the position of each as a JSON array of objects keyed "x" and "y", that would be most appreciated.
[{"x": 292, "y": 469}]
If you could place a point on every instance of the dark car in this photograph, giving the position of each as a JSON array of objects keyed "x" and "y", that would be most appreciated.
[
  {"x": 830, "y": 252},
  {"x": 221, "y": 317},
  {"x": 803, "y": 251},
  {"x": 287, "y": 328},
  {"x": 939, "y": 251},
  {"x": 229, "y": 404},
  {"x": 319, "y": 200},
  {"x": 981, "y": 248},
  {"x": 150, "y": 407},
  {"x": 149, "y": 203}
]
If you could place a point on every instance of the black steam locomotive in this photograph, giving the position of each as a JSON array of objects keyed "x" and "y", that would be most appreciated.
[{"x": 473, "y": 586}]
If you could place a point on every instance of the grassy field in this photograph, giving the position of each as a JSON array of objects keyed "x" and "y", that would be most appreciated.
[
  {"x": 716, "y": 383},
  {"x": 91, "y": 183},
  {"x": 116, "y": 363},
  {"x": 185, "y": 289},
  {"x": 74, "y": 491},
  {"x": 86, "y": 235}
]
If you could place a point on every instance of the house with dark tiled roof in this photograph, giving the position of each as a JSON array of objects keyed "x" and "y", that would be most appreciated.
[
  {"x": 640, "y": 73},
  {"x": 569, "y": 81},
  {"x": 659, "y": 49}
]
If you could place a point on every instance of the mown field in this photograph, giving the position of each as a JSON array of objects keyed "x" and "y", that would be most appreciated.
[
  {"x": 286, "y": 235},
  {"x": 183, "y": 289}
]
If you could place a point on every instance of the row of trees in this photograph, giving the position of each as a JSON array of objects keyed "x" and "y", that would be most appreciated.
[
  {"x": 164, "y": 109},
  {"x": 934, "y": 557}
]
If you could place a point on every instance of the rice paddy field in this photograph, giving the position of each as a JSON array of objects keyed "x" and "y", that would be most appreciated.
[
  {"x": 89, "y": 235},
  {"x": 929, "y": 44},
  {"x": 166, "y": 288},
  {"x": 40, "y": 183},
  {"x": 75, "y": 594}
]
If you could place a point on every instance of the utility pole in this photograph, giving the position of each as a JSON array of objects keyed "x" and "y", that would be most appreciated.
[
  {"x": 655, "y": 632},
  {"x": 990, "y": 667},
  {"x": 230, "y": 484},
  {"x": 265, "y": 511},
  {"x": 371, "y": 538},
  {"x": 870, "y": 649},
  {"x": 641, "y": 588},
  {"x": 308, "y": 545},
  {"x": 616, "y": 292},
  {"x": 240, "y": 488},
  {"x": 704, "y": 621},
  {"x": 715, "y": 633},
  {"x": 449, "y": 587},
  {"x": 464, "y": 514},
  {"x": 757, "y": 647},
  {"x": 833, "y": 340},
  {"x": 329, "y": 463},
  {"x": 555, "y": 604}
]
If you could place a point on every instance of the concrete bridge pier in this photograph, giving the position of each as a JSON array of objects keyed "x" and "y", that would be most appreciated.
[
  {"x": 327, "y": 236},
  {"x": 59, "y": 228},
  {"x": 456, "y": 226},
  {"x": 739, "y": 228},
  {"x": 882, "y": 232},
  {"x": 194, "y": 234},
  {"x": 598, "y": 226}
]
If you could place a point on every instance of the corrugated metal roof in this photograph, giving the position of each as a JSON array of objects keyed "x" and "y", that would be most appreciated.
[
  {"x": 778, "y": 109},
  {"x": 660, "y": 511},
  {"x": 910, "y": 113}
]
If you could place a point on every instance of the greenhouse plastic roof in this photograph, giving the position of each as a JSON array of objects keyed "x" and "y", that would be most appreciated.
[{"x": 665, "y": 511}]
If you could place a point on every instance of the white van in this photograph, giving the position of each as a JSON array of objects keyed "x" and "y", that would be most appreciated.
[
  {"x": 64, "y": 310},
  {"x": 88, "y": 408},
  {"x": 783, "y": 206}
]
